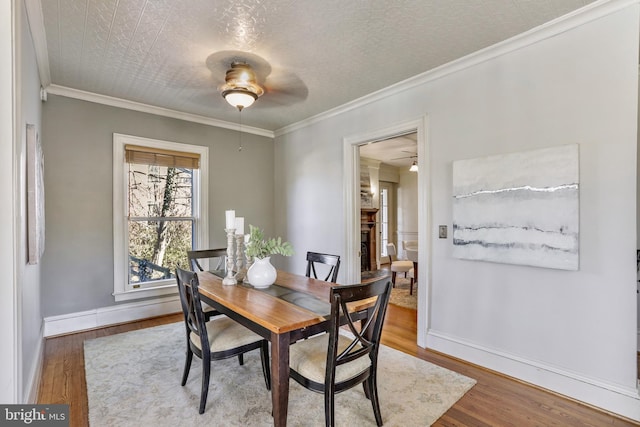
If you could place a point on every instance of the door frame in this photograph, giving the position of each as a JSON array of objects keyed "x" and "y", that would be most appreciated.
[{"x": 351, "y": 152}]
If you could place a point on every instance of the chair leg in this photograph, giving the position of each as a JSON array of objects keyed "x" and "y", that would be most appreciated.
[
  {"x": 266, "y": 368},
  {"x": 329, "y": 409},
  {"x": 411, "y": 286},
  {"x": 187, "y": 365},
  {"x": 373, "y": 392},
  {"x": 365, "y": 386},
  {"x": 393, "y": 279},
  {"x": 206, "y": 372},
  {"x": 241, "y": 359}
]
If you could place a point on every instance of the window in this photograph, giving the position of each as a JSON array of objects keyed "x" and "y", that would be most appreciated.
[
  {"x": 384, "y": 221},
  {"x": 159, "y": 199}
]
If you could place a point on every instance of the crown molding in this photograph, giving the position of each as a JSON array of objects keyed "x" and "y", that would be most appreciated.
[
  {"x": 159, "y": 111},
  {"x": 577, "y": 18},
  {"x": 36, "y": 26},
  {"x": 591, "y": 12}
]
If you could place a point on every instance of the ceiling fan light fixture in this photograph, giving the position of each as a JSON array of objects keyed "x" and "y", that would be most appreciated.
[
  {"x": 239, "y": 98},
  {"x": 414, "y": 167},
  {"x": 241, "y": 88}
]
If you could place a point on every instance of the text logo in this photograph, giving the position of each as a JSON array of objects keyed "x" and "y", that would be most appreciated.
[{"x": 34, "y": 415}]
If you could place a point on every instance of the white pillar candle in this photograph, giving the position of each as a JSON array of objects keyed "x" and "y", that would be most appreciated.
[
  {"x": 239, "y": 225},
  {"x": 230, "y": 219}
]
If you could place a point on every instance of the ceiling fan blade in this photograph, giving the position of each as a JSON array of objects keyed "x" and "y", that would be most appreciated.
[{"x": 284, "y": 89}]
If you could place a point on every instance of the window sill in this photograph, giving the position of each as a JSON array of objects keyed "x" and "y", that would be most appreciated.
[{"x": 146, "y": 292}]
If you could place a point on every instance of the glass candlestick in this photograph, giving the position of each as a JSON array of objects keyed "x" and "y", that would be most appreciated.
[{"x": 229, "y": 279}]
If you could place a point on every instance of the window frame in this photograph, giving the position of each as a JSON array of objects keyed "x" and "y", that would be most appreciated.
[{"x": 122, "y": 290}]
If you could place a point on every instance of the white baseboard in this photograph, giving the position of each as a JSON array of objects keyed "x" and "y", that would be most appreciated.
[
  {"x": 75, "y": 322},
  {"x": 610, "y": 397},
  {"x": 31, "y": 395}
]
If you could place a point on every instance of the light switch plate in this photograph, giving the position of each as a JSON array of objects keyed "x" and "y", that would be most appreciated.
[{"x": 442, "y": 231}]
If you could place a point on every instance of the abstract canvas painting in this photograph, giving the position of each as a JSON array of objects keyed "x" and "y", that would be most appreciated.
[
  {"x": 520, "y": 208},
  {"x": 35, "y": 195}
]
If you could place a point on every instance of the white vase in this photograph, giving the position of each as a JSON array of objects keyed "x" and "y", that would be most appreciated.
[{"x": 262, "y": 274}]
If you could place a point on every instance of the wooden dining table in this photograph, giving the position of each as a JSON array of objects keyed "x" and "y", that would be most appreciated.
[{"x": 295, "y": 307}]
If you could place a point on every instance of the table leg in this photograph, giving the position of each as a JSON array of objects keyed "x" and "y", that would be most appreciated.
[{"x": 280, "y": 377}]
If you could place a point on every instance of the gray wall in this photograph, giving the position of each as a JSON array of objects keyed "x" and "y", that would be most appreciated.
[{"x": 78, "y": 261}]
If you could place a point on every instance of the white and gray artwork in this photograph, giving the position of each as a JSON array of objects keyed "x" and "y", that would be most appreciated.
[
  {"x": 520, "y": 208},
  {"x": 35, "y": 195}
]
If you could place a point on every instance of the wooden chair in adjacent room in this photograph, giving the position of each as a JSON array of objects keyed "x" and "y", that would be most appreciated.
[
  {"x": 333, "y": 362},
  {"x": 399, "y": 266},
  {"x": 332, "y": 263},
  {"x": 220, "y": 338}
]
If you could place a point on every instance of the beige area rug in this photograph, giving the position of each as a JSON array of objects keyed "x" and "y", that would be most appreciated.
[
  {"x": 133, "y": 379},
  {"x": 400, "y": 294}
]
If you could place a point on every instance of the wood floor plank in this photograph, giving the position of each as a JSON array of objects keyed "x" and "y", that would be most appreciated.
[{"x": 495, "y": 401}]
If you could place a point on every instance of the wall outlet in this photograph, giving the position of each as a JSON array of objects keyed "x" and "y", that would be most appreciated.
[{"x": 442, "y": 231}]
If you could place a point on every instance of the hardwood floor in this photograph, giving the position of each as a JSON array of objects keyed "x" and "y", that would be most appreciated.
[{"x": 494, "y": 401}]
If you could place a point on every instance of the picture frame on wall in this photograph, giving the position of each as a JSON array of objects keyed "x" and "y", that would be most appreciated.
[{"x": 35, "y": 195}]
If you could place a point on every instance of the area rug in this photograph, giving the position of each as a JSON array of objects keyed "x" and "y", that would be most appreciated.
[
  {"x": 133, "y": 379},
  {"x": 400, "y": 293}
]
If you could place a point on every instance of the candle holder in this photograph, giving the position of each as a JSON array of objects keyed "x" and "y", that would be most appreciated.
[
  {"x": 229, "y": 279},
  {"x": 249, "y": 261},
  {"x": 240, "y": 272}
]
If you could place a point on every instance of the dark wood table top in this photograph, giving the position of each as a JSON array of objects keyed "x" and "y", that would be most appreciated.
[
  {"x": 307, "y": 304},
  {"x": 262, "y": 307}
]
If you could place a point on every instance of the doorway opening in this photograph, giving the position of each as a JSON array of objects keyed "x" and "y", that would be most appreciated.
[
  {"x": 354, "y": 208},
  {"x": 386, "y": 169}
]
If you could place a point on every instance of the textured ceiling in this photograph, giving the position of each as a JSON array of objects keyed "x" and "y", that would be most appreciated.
[
  {"x": 400, "y": 151},
  {"x": 311, "y": 55}
]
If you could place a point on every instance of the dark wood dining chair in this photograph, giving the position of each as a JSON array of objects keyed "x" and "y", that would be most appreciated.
[
  {"x": 220, "y": 338},
  {"x": 217, "y": 259},
  {"x": 332, "y": 261},
  {"x": 332, "y": 363},
  {"x": 217, "y": 255}
]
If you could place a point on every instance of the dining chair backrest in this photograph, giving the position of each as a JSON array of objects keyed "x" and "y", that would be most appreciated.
[
  {"x": 409, "y": 244},
  {"x": 366, "y": 338},
  {"x": 332, "y": 261},
  {"x": 218, "y": 255},
  {"x": 192, "y": 306},
  {"x": 391, "y": 251}
]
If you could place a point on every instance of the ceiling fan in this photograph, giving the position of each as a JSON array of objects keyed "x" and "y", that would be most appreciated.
[
  {"x": 272, "y": 86},
  {"x": 414, "y": 165},
  {"x": 412, "y": 156}
]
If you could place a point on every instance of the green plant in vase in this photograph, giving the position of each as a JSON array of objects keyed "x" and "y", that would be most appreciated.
[{"x": 261, "y": 247}]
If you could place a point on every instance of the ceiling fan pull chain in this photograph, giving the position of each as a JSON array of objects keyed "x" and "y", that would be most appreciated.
[{"x": 240, "y": 146}]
